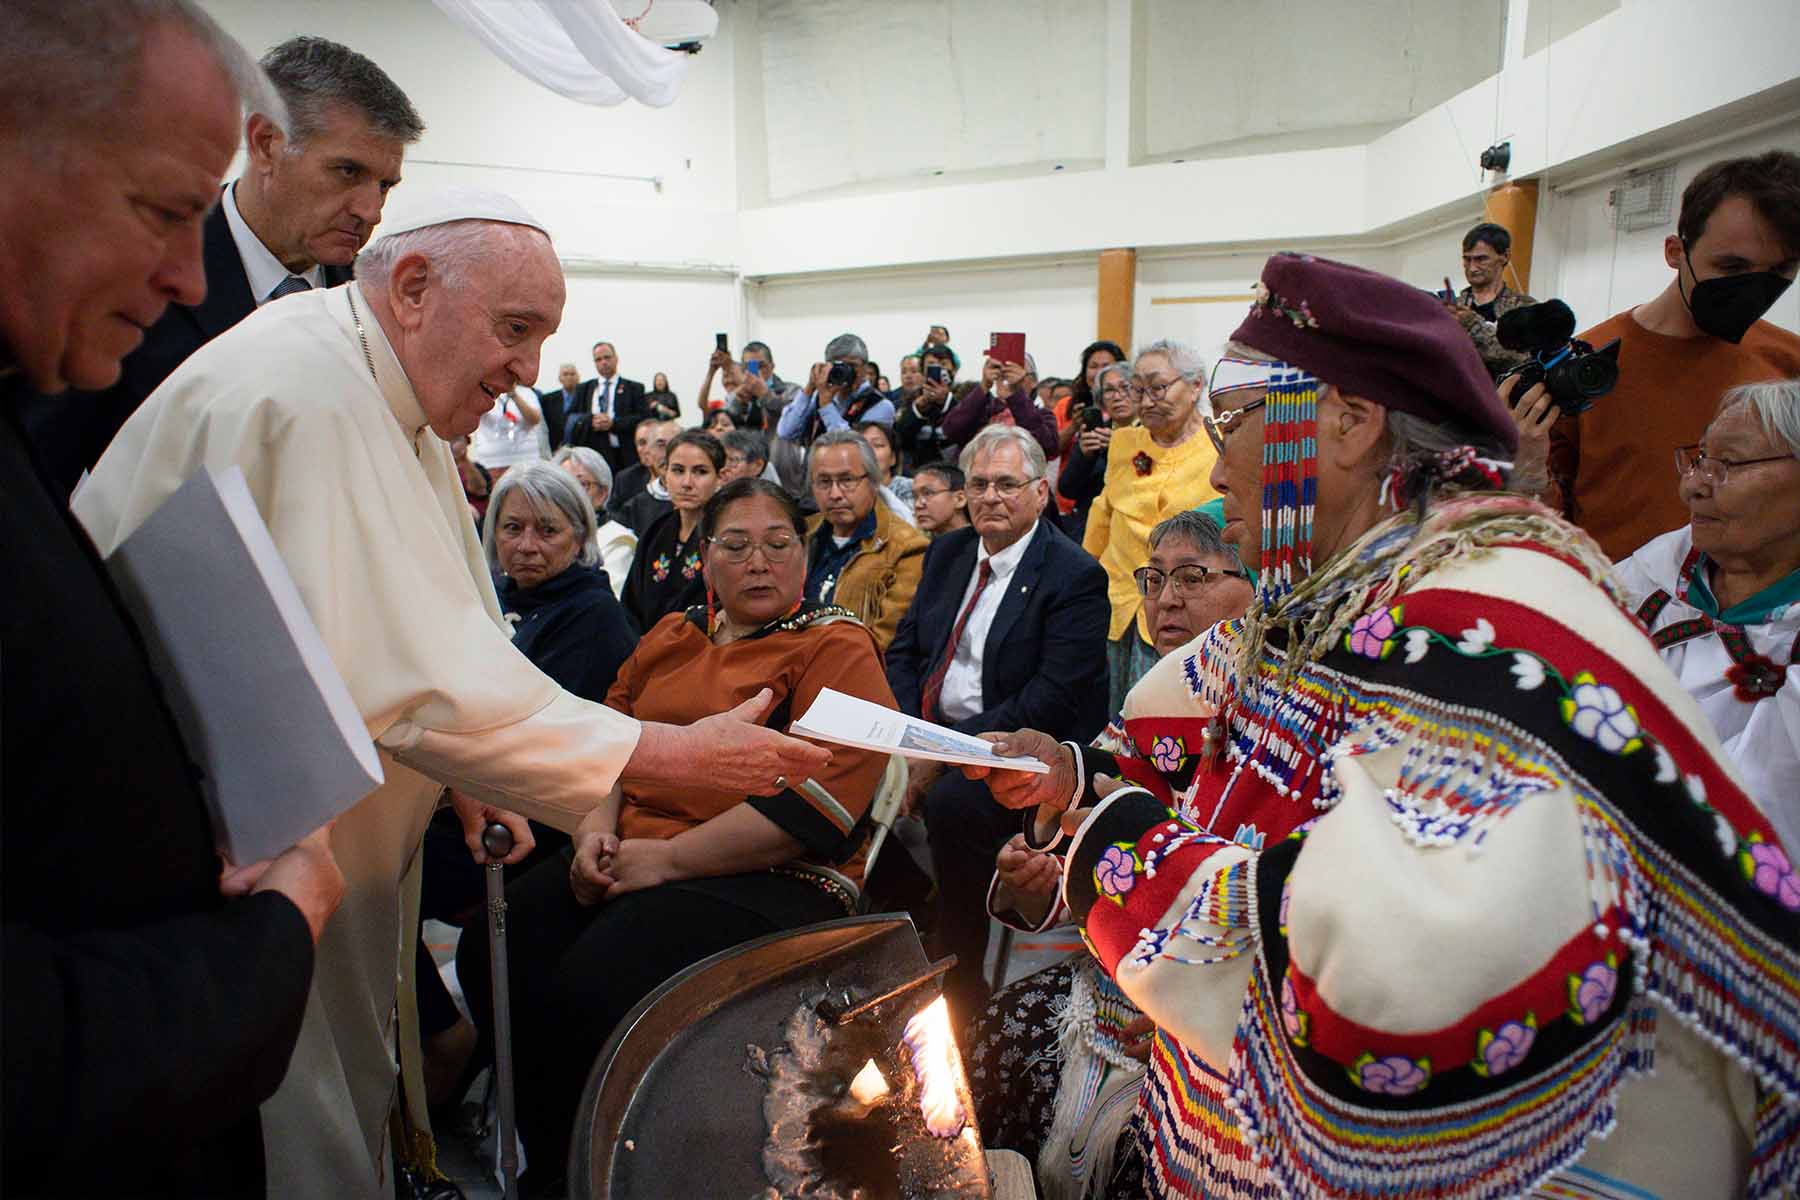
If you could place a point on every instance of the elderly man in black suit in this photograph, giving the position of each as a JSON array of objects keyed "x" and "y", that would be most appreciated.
[
  {"x": 309, "y": 197},
  {"x": 1009, "y": 624},
  {"x": 569, "y": 396},
  {"x": 613, "y": 407},
  {"x": 146, "y": 1015}
]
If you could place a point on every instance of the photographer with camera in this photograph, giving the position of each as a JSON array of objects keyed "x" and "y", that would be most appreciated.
[
  {"x": 1735, "y": 250},
  {"x": 836, "y": 396},
  {"x": 919, "y": 428},
  {"x": 1486, "y": 255}
]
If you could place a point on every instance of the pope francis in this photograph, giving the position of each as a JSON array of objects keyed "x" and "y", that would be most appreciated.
[{"x": 339, "y": 406}]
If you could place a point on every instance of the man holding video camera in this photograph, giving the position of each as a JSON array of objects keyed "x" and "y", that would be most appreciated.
[{"x": 1735, "y": 251}]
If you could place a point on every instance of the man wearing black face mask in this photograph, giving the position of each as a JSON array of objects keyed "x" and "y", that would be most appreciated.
[{"x": 1734, "y": 252}]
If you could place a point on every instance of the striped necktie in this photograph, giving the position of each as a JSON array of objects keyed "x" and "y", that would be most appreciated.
[{"x": 288, "y": 286}]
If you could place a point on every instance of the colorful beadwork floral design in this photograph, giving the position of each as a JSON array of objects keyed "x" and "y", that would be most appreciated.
[
  {"x": 690, "y": 566},
  {"x": 1116, "y": 872},
  {"x": 1395, "y": 1075},
  {"x": 1168, "y": 753},
  {"x": 1591, "y": 992},
  {"x": 1598, "y": 713},
  {"x": 1297, "y": 1023},
  {"x": 659, "y": 568},
  {"x": 1765, "y": 864},
  {"x": 1373, "y": 634},
  {"x": 1498, "y": 1051},
  {"x": 1142, "y": 463}
]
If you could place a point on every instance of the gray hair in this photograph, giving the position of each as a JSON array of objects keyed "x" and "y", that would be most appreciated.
[
  {"x": 1198, "y": 530},
  {"x": 313, "y": 74},
  {"x": 547, "y": 489},
  {"x": 1121, "y": 369},
  {"x": 1776, "y": 404},
  {"x": 1184, "y": 360},
  {"x": 589, "y": 461},
  {"x": 846, "y": 345},
  {"x": 69, "y": 64},
  {"x": 453, "y": 249},
  {"x": 846, "y": 437},
  {"x": 992, "y": 437}
]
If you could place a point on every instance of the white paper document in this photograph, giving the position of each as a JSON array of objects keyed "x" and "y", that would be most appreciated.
[
  {"x": 261, "y": 706},
  {"x": 850, "y": 721}
]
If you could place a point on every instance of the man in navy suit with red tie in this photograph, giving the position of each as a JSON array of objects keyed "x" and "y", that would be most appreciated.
[
  {"x": 1007, "y": 631},
  {"x": 307, "y": 201},
  {"x": 612, "y": 407}
]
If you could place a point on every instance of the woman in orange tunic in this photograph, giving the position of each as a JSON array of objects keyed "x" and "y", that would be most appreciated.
[{"x": 661, "y": 877}]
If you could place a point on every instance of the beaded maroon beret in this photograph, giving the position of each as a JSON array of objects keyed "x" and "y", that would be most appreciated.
[{"x": 1373, "y": 336}]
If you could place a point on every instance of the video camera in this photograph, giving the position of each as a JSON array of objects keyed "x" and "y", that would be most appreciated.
[{"x": 1575, "y": 373}]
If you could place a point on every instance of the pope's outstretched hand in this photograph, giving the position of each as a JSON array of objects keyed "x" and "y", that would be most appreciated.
[{"x": 729, "y": 750}]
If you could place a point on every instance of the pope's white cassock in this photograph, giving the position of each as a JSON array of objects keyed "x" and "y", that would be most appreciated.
[{"x": 366, "y": 507}]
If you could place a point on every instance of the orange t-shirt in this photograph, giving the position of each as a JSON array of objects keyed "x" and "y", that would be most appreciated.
[{"x": 1612, "y": 469}]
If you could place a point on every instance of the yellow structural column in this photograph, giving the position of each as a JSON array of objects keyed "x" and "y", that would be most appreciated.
[
  {"x": 1513, "y": 207},
  {"x": 1118, "y": 296}
]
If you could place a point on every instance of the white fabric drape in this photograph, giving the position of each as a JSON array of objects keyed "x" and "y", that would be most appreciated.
[{"x": 582, "y": 49}]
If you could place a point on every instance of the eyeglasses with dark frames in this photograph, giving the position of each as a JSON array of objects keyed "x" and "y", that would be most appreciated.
[{"x": 1190, "y": 579}]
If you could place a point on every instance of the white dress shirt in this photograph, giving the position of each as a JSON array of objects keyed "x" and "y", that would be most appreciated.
[
  {"x": 264, "y": 270},
  {"x": 961, "y": 697}
]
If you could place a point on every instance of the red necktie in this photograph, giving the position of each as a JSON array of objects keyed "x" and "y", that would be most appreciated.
[{"x": 928, "y": 698}]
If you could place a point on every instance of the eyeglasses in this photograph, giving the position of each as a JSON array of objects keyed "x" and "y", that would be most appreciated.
[
  {"x": 1190, "y": 580},
  {"x": 736, "y": 548},
  {"x": 1006, "y": 489},
  {"x": 1219, "y": 428},
  {"x": 1153, "y": 391},
  {"x": 848, "y": 483},
  {"x": 1715, "y": 470},
  {"x": 929, "y": 493}
]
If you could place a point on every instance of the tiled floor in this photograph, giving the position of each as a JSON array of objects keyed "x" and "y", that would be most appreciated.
[{"x": 470, "y": 1166}]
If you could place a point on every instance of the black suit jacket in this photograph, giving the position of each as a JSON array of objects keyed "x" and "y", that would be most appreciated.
[
  {"x": 629, "y": 411},
  {"x": 145, "y": 1018},
  {"x": 1044, "y": 663},
  {"x": 72, "y": 431},
  {"x": 556, "y": 413}
]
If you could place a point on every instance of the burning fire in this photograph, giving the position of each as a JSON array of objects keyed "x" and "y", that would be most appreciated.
[
  {"x": 869, "y": 1086},
  {"x": 933, "y": 1053}
]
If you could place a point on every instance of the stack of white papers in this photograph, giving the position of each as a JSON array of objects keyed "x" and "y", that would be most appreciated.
[
  {"x": 260, "y": 704},
  {"x": 850, "y": 721}
]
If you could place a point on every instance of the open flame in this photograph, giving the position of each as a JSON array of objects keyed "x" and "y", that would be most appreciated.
[
  {"x": 933, "y": 1051},
  {"x": 869, "y": 1086}
]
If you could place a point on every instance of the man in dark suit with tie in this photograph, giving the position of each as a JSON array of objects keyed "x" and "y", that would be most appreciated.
[
  {"x": 614, "y": 406},
  {"x": 308, "y": 199},
  {"x": 1008, "y": 629}
]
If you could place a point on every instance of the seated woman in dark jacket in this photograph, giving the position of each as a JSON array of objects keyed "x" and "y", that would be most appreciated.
[
  {"x": 665, "y": 575},
  {"x": 661, "y": 878},
  {"x": 541, "y": 547}
]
